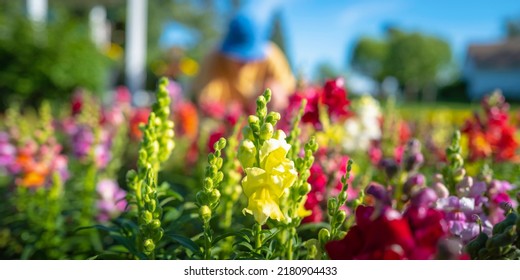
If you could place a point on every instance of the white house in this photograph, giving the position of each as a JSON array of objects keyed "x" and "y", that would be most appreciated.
[{"x": 493, "y": 66}]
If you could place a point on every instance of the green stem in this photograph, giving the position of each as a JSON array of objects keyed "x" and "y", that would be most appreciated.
[
  {"x": 207, "y": 242},
  {"x": 228, "y": 216},
  {"x": 292, "y": 233},
  {"x": 258, "y": 237}
]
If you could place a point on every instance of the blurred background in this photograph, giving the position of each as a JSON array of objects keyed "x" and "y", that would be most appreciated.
[{"x": 417, "y": 51}]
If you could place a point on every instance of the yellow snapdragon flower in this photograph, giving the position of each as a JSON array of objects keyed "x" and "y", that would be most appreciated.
[{"x": 265, "y": 184}]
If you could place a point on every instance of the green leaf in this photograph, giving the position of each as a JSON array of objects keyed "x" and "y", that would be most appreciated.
[
  {"x": 185, "y": 242},
  {"x": 246, "y": 245},
  {"x": 100, "y": 227},
  {"x": 226, "y": 235}
]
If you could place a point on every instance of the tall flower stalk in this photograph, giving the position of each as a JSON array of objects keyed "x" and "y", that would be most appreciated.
[
  {"x": 155, "y": 148},
  {"x": 209, "y": 197},
  {"x": 269, "y": 173}
]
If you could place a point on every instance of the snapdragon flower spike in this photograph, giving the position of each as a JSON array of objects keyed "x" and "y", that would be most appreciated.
[
  {"x": 454, "y": 172},
  {"x": 155, "y": 148},
  {"x": 294, "y": 202},
  {"x": 263, "y": 156},
  {"x": 337, "y": 216},
  {"x": 209, "y": 197}
]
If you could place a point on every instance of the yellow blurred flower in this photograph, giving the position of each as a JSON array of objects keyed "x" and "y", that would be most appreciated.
[
  {"x": 189, "y": 66},
  {"x": 264, "y": 185},
  {"x": 114, "y": 51}
]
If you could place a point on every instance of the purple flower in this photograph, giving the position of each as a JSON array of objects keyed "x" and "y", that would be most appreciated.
[
  {"x": 82, "y": 140},
  {"x": 462, "y": 215},
  {"x": 111, "y": 199},
  {"x": 7, "y": 151},
  {"x": 498, "y": 197}
]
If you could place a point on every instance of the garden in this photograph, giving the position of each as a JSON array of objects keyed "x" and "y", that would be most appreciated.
[
  {"x": 93, "y": 168},
  {"x": 331, "y": 178}
]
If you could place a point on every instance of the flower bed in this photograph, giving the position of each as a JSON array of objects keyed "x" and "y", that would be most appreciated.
[{"x": 329, "y": 178}]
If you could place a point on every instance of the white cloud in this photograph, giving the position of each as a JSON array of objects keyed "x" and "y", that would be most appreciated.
[{"x": 366, "y": 11}]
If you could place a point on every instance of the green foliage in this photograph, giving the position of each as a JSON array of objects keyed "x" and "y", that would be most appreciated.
[
  {"x": 503, "y": 244},
  {"x": 369, "y": 55},
  {"x": 414, "y": 59},
  {"x": 46, "y": 61}
]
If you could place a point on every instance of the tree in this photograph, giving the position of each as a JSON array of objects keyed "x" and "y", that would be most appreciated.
[
  {"x": 368, "y": 57},
  {"x": 325, "y": 70},
  {"x": 278, "y": 34},
  {"x": 414, "y": 59},
  {"x": 513, "y": 28}
]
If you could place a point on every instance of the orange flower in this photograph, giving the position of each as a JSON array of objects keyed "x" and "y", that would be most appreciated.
[{"x": 188, "y": 119}]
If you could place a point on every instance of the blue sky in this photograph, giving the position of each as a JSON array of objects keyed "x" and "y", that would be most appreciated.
[{"x": 325, "y": 30}]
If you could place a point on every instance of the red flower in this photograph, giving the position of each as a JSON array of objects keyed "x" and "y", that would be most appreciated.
[
  {"x": 333, "y": 96},
  {"x": 139, "y": 116},
  {"x": 492, "y": 135},
  {"x": 383, "y": 233},
  {"x": 214, "y": 137},
  {"x": 386, "y": 236}
]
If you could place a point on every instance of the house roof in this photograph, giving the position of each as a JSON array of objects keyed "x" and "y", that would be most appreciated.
[{"x": 504, "y": 55}]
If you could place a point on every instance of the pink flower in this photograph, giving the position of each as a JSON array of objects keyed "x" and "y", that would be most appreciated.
[{"x": 111, "y": 202}]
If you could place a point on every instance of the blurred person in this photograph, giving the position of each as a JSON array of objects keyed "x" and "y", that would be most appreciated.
[{"x": 245, "y": 64}]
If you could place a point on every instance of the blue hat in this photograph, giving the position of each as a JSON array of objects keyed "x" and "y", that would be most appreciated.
[{"x": 248, "y": 34}]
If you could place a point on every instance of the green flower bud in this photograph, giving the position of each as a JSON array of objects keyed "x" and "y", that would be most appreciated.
[
  {"x": 214, "y": 196},
  {"x": 146, "y": 216},
  {"x": 157, "y": 122},
  {"x": 149, "y": 245},
  {"x": 260, "y": 102},
  {"x": 324, "y": 236},
  {"x": 459, "y": 174},
  {"x": 221, "y": 144},
  {"x": 248, "y": 133},
  {"x": 305, "y": 188},
  {"x": 267, "y": 94},
  {"x": 332, "y": 205},
  {"x": 252, "y": 119},
  {"x": 202, "y": 198},
  {"x": 273, "y": 118},
  {"x": 247, "y": 153},
  {"x": 218, "y": 162},
  {"x": 457, "y": 159},
  {"x": 158, "y": 234},
  {"x": 152, "y": 205},
  {"x": 266, "y": 132},
  {"x": 205, "y": 213},
  {"x": 130, "y": 176},
  {"x": 343, "y": 196},
  {"x": 261, "y": 112},
  {"x": 155, "y": 224},
  {"x": 219, "y": 177},
  {"x": 208, "y": 183},
  {"x": 341, "y": 217}
]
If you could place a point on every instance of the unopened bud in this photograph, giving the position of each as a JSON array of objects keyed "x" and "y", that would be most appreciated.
[
  {"x": 440, "y": 189},
  {"x": 341, "y": 216},
  {"x": 205, "y": 213},
  {"x": 149, "y": 245},
  {"x": 267, "y": 94},
  {"x": 266, "y": 132},
  {"x": 214, "y": 196},
  {"x": 332, "y": 204},
  {"x": 324, "y": 236},
  {"x": 155, "y": 224}
]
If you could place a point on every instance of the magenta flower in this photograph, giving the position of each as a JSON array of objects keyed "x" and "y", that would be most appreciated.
[
  {"x": 498, "y": 197},
  {"x": 7, "y": 151},
  {"x": 111, "y": 201}
]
